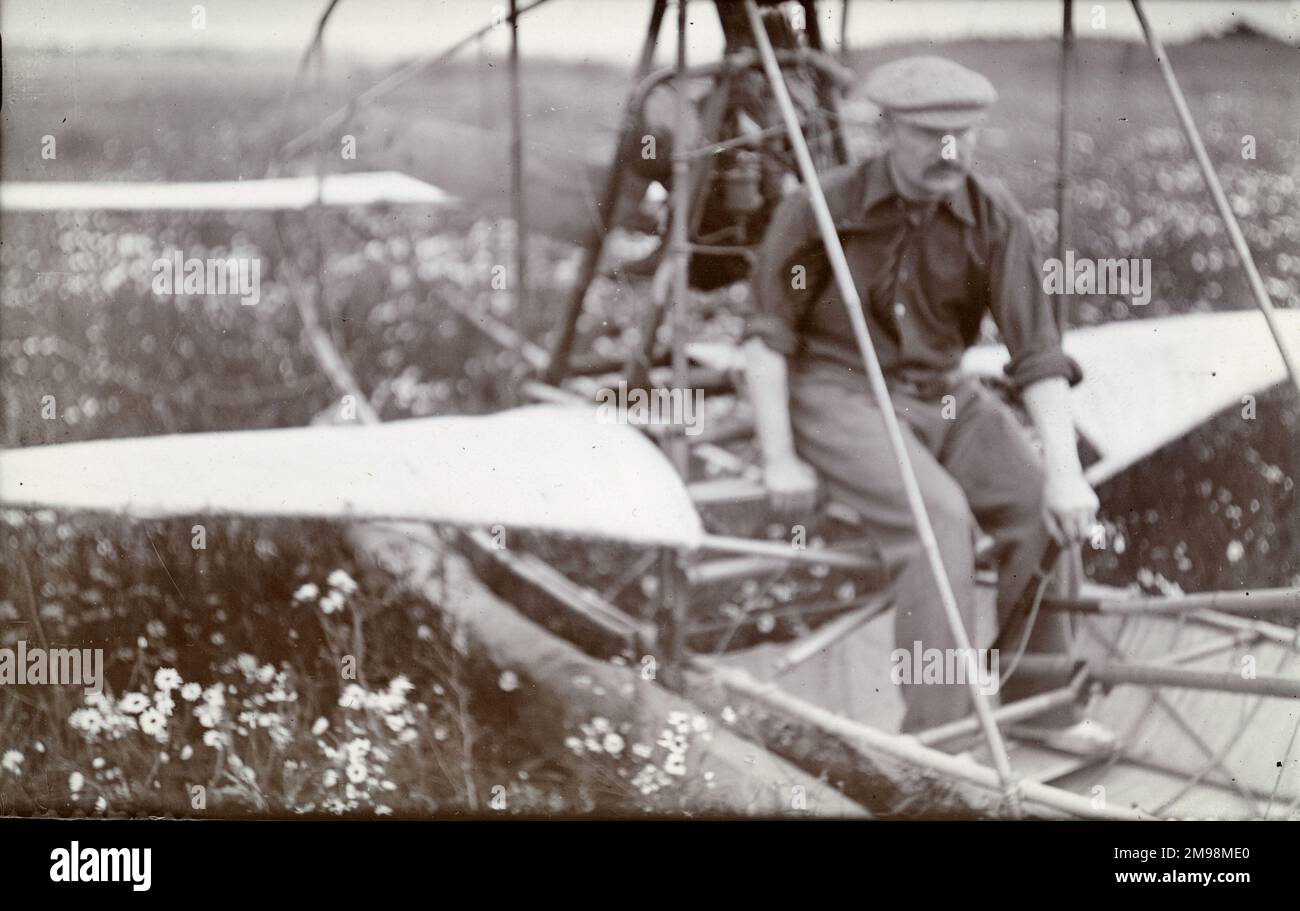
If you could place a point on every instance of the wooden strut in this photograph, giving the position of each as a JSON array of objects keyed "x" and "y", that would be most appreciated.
[
  {"x": 1238, "y": 240},
  {"x": 1107, "y": 671},
  {"x": 517, "y": 175},
  {"x": 906, "y": 748},
  {"x": 1063, "y": 151},
  {"x": 624, "y": 146},
  {"x": 853, "y": 304},
  {"x": 673, "y": 590},
  {"x": 1265, "y": 600}
]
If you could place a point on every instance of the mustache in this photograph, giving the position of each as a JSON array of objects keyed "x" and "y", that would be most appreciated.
[{"x": 944, "y": 169}]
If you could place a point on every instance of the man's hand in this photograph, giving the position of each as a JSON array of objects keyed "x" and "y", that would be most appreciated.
[
  {"x": 1069, "y": 506},
  {"x": 791, "y": 485}
]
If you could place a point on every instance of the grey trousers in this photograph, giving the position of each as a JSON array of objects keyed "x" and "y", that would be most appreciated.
[{"x": 976, "y": 469}]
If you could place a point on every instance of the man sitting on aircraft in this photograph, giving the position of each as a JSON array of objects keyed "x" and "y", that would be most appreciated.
[{"x": 933, "y": 249}]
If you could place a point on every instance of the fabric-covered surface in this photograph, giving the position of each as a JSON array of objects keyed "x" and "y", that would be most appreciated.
[
  {"x": 544, "y": 467},
  {"x": 272, "y": 193},
  {"x": 1148, "y": 382}
]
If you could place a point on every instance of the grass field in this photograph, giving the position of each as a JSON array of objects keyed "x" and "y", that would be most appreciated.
[{"x": 80, "y": 323}]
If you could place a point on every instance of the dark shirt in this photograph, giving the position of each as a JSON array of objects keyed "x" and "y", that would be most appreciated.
[{"x": 926, "y": 274}]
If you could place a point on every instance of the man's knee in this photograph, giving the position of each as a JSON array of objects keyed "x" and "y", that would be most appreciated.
[
  {"x": 1023, "y": 515},
  {"x": 950, "y": 516}
]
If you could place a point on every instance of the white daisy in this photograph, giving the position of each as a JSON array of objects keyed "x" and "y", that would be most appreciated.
[
  {"x": 133, "y": 703},
  {"x": 167, "y": 679}
]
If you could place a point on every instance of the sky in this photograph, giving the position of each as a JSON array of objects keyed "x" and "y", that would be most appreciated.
[{"x": 605, "y": 31}]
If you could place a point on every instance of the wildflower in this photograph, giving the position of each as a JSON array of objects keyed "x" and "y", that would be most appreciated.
[
  {"x": 191, "y": 691},
  {"x": 573, "y": 743},
  {"x": 167, "y": 679},
  {"x": 214, "y": 739},
  {"x": 153, "y": 722},
  {"x": 341, "y": 581},
  {"x": 88, "y": 721},
  {"x": 642, "y": 750},
  {"x": 333, "y": 602},
  {"x": 208, "y": 714},
  {"x": 75, "y": 781},
  {"x": 600, "y": 725},
  {"x": 98, "y": 762},
  {"x": 407, "y": 736},
  {"x": 133, "y": 703},
  {"x": 40, "y": 747},
  {"x": 613, "y": 744},
  {"x": 356, "y": 772},
  {"x": 424, "y": 633},
  {"x": 675, "y": 764},
  {"x": 319, "y": 727},
  {"x": 186, "y": 752},
  {"x": 383, "y": 810},
  {"x": 401, "y": 684},
  {"x": 509, "y": 681},
  {"x": 699, "y": 724},
  {"x": 12, "y": 762},
  {"x": 101, "y": 804},
  {"x": 164, "y": 703},
  {"x": 308, "y": 592},
  {"x": 331, "y": 778},
  {"x": 728, "y": 714},
  {"x": 676, "y": 719}
]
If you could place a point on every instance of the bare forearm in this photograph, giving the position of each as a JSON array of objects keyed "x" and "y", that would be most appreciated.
[
  {"x": 1048, "y": 404},
  {"x": 769, "y": 392}
]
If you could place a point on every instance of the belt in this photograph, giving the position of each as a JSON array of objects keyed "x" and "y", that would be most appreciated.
[{"x": 928, "y": 386}]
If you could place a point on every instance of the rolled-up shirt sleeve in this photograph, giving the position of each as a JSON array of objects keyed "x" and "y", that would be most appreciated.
[
  {"x": 780, "y": 290},
  {"x": 1022, "y": 309}
]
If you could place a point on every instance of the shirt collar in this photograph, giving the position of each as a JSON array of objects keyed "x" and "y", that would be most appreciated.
[{"x": 878, "y": 186}]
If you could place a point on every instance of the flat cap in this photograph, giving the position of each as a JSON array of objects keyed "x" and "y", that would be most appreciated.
[{"x": 930, "y": 91}]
